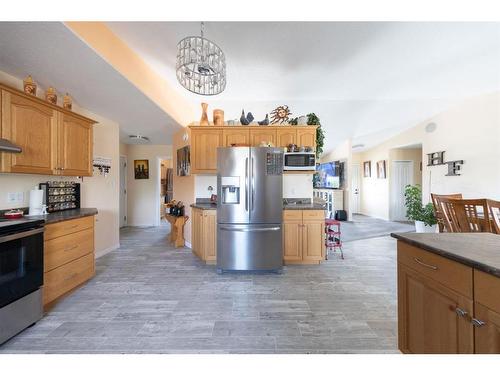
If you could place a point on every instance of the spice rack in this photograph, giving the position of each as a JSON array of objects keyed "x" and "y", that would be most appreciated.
[{"x": 60, "y": 195}]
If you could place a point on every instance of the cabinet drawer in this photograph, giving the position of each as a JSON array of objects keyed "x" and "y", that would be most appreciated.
[
  {"x": 67, "y": 227},
  {"x": 313, "y": 214},
  {"x": 62, "y": 250},
  {"x": 63, "y": 279},
  {"x": 487, "y": 290},
  {"x": 454, "y": 275},
  {"x": 292, "y": 215}
]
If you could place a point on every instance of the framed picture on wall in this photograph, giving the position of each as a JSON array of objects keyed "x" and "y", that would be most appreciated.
[
  {"x": 141, "y": 169},
  {"x": 381, "y": 172},
  {"x": 367, "y": 169},
  {"x": 183, "y": 161}
]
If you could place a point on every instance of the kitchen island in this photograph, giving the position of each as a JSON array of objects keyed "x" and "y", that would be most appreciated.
[{"x": 448, "y": 292}]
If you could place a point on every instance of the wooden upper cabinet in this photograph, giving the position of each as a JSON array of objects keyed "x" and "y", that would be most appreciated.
[
  {"x": 306, "y": 136},
  {"x": 204, "y": 143},
  {"x": 236, "y": 136},
  {"x": 75, "y": 146},
  {"x": 262, "y": 135},
  {"x": 427, "y": 316},
  {"x": 33, "y": 127},
  {"x": 286, "y": 136}
]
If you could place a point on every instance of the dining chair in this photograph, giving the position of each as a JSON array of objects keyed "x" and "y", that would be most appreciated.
[
  {"x": 494, "y": 211},
  {"x": 466, "y": 215},
  {"x": 438, "y": 209}
]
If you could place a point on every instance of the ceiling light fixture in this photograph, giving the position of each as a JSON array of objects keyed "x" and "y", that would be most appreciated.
[
  {"x": 201, "y": 65},
  {"x": 139, "y": 138}
]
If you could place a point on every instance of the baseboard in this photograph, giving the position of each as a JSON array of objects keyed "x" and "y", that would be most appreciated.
[{"x": 100, "y": 253}]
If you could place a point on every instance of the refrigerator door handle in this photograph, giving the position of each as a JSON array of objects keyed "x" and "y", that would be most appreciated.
[
  {"x": 246, "y": 184},
  {"x": 253, "y": 183},
  {"x": 229, "y": 229}
]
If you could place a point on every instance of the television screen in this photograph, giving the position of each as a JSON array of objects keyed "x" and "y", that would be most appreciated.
[{"x": 327, "y": 176}]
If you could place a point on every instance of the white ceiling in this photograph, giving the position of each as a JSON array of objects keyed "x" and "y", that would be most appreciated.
[
  {"x": 365, "y": 80},
  {"x": 54, "y": 56}
]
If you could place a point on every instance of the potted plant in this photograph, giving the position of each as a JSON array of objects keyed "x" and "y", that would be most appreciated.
[
  {"x": 424, "y": 217},
  {"x": 312, "y": 119}
]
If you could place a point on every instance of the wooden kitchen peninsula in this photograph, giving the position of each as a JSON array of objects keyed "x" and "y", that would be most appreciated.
[{"x": 448, "y": 292}]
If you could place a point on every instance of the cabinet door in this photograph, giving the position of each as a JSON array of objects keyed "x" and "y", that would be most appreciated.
[
  {"x": 33, "y": 127},
  {"x": 487, "y": 336},
  {"x": 209, "y": 236},
  {"x": 292, "y": 241},
  {"x": 75, "y": 146},
  {"x": 262, "y": 135},
  {"x": 313, "y": 240},
  {"x": 286, "y": 136},
  {"x": 306, "y": 137},
  {"x": 204, "y": 149},
  {"x": 427, "y": 319},
  {"x": 236, "y": 136}
]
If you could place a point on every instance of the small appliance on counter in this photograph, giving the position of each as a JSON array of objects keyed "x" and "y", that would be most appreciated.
[
  {"x": 300, "y": 161},
  {"x": 60, "y": 195}
]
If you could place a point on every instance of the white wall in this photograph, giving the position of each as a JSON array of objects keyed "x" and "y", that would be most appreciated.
[
  {"x": 143, "y": 195},
  {"x": 98, "y": 191},
  {"x": 298, "y": 186},
  {"x": 201, "y": 184},
  {"x": 469, "y": 132}
]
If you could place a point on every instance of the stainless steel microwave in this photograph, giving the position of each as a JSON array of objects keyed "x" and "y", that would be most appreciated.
[{"x": 299, "y": 161}]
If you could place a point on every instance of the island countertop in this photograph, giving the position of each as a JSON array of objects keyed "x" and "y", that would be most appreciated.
[
  {"x": 477, "y": 250},
  {"x": 307, "y": 206}
]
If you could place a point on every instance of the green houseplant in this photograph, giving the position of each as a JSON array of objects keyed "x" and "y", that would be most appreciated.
[
  {"x": 424, "y": 217},
  {"x": 312, "y": 119}
]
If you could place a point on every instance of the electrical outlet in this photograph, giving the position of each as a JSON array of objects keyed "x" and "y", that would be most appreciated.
[
  {"x": 20, "y": 197},
  {"x": 11, "y": 197}
]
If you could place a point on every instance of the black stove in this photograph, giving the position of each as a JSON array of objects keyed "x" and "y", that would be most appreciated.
[{"x": 17, "y": 225}]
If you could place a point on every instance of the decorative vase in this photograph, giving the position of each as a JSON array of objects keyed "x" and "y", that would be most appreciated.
[
  {"x": 302, "y": 120},
  {"x": 51, "y": 96},
  {"x": 29, "y": 86},
  {"x": 218, "y": 117},
  {"x": 67, "y": 102},
  {"x": 204, "y": 116}
]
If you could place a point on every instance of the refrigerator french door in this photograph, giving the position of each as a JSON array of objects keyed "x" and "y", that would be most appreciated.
[{"x": 249, "y": 208}]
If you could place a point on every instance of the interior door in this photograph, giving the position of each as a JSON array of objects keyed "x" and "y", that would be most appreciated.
[
  {"x": 266, "y": 185},
  {"x": 356, "y": 199},
  {"x": 401, "y": 176},
  {"x": 123, "y": 191}
]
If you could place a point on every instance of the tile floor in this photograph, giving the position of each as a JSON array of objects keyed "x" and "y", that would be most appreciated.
[{"x": 147, "y": 297}]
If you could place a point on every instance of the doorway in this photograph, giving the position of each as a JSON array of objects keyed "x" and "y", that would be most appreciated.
[
  {"x": 356, "y": 199},
  {"x": 123, "y": 191},
  {"x": 164, "y": 188},
  {"x": 401, "y": 176}
]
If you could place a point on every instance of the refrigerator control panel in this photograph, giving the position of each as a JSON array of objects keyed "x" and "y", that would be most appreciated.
[{"x": 274, "y": 163}]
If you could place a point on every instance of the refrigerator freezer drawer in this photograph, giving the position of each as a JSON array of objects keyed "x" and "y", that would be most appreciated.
[{"x": 243, "y": 247}]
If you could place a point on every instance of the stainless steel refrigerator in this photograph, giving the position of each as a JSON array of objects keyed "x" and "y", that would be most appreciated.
[{"x": 249, "y": 208}]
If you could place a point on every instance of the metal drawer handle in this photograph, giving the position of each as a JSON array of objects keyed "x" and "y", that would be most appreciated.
[
  {"x": 425, "y": 264},
  {"x": 71, "y": 248},
  {"x": 461, "y": 313},
  {"x": 478, "y": 323},
  {"x": 249, "y": 229}
]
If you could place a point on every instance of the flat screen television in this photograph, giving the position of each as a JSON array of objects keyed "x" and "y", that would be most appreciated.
[{"x": 327, "y": 175}]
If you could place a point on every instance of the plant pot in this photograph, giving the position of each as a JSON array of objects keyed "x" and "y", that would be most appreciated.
[{"x": 420, "y": 227}]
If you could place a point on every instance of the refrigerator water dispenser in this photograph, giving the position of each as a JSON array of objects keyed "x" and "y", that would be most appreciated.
[{"x": 230, "y": 190}]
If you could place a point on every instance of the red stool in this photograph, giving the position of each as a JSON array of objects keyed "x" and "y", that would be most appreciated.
[{"x": 332, "y": 238}]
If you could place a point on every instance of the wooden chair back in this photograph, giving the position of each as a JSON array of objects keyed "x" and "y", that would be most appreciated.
[
  {"x": 494, "y": 211},
  {"x": 438, "y": 209},
  {"x": 466, "y": 215}
]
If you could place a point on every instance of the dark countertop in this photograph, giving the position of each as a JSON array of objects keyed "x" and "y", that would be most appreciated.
[
  {"x": 311, "y": 206},
  {"x": 56, "y": 217},
  {"x": 302, "y": 206},
  {"x": 204, "y": 206},
  {"x": 477, "y": 250}
]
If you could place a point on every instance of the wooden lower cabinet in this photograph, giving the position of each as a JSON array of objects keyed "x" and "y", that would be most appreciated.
[
  {"x": 204, "y": 234},
  {"x": 68, "y": 256},
  {"x": 445, "y": 306},
  {"x": 303, "y": 236},
  {"x": 428, "y": 321}
]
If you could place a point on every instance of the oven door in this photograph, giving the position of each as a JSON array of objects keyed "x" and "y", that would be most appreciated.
[
  {"x": 296, "y": 161},
  {"x": 21, "y": 264}
]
